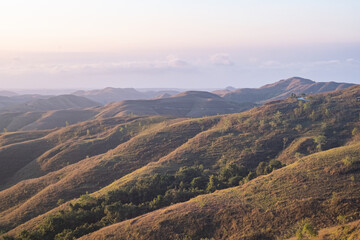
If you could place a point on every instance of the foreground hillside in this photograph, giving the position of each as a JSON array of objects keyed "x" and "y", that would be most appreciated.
[
  {"x": 133, "y": 166},
  {"x": 320, "y": 189},
  {"x": 344, "y": 231}
]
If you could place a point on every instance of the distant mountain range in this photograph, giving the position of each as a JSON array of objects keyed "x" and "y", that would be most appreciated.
[
  {"x": 31, "y": 112},
  {"x": 52, "y": 103},
  {"x": 280, "y": 90},
  {"x": 109, "y": 94}
]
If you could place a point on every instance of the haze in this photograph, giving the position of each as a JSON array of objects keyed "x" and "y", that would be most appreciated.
[{"x": 176, "y": 44}]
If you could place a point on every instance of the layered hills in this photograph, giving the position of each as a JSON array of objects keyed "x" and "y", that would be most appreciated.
[
  {"x": 52, "y": 103},
  {"x": 36, "y": 112},
  {"x": 108, "y": 95},
  {"x": 58, "y": 111},
  {"x": 259, "y": 174},
  {"x": 47, "y": 113},
  {"x": 186, "y": 104}
]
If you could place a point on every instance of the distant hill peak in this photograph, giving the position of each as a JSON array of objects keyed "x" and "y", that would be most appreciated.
[
  {"x": 6, "y": 93},
  {"x": 291, "y": 82},
  {"x": 230, "y": 88},
  {"x": 198, "y": 94},
  {"x": 162, "y": 96}
]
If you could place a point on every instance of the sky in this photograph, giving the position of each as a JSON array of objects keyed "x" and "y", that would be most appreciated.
[{"x": 176, "y": 44}]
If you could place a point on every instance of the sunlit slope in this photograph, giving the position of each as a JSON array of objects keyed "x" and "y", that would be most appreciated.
[
  {"x": 38, "y": 195},
  {"x": 318, "y": 188}
]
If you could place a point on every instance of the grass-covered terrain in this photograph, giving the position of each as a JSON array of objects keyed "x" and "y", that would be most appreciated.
[
  {"x": 177, "y": 178},
  {"x": 319, "y": 190}
]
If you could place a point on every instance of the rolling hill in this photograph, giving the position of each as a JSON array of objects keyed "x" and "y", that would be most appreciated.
[
  {"x": 52, "y": 103},
  {"x": 135, "y": 167},
  {"x": 42, "y": 114},
  {"x": 186, "y": 104},
  {"x": 108, "y": 95},
  {"x": 5, "y": 93},
  {"x": 12, "y": 100},
  {"x": 47, "y": 113}
]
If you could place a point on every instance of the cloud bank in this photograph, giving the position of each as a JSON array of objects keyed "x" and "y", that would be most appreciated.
[{"x": 221, "y": 59}]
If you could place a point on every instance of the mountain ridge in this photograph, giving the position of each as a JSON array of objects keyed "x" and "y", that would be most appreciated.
[{"x": 281, "y": 90}]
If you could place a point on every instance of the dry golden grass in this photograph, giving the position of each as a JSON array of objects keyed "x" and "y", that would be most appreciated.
[
  {"x": 36, "y": 196},
  {"x": 266, "y": 207}
]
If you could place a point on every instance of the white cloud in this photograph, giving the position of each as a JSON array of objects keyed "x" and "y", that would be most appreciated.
[
  {"x": 221, "y": 59},
  {"x": 274, "y": 64},
  {"x": 174, "y": 61},
  {"x": 352, "y": 60},
  {"x": 326, "y": 62},
  {"x": 171, "y": 63}
]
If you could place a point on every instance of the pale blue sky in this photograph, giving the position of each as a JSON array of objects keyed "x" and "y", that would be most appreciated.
[{"x": 163, "y": 43}]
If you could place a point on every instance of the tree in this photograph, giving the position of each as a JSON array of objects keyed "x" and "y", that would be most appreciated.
[
  {"x": 274, "y": 164},
  {"x": 285, "y": 141},
  {"x": 355, "y": 131},
  {"x": 278, "y": 116},
  {"x": 327, "y": 112},
  {"x": 60, "y": 201},
  {"x": 298, "y": 127},
  {"x": 320, "y": 140},
  {"x": 199, "y": 182},
  {"x": 313, "y": 115},
  {"x": 260, "y": 170},
  {"x": 307, "y": 231},
  {"x": 213, "y": 184}
]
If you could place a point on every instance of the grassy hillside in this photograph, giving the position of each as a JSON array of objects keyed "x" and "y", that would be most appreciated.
[
  {"x": 147, "y": 163},
  {"x": 321, "y": 189},
  {"x": 91, "y": 173},
  {"x": 345, "y": 231}
]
